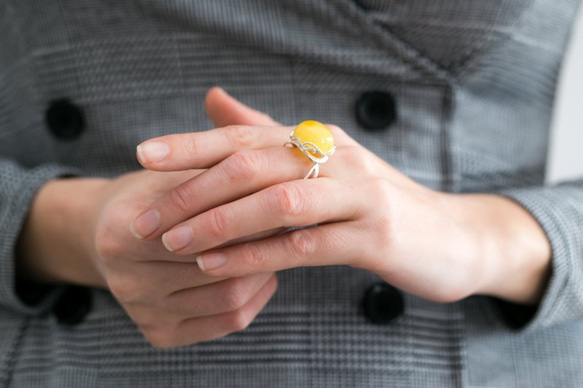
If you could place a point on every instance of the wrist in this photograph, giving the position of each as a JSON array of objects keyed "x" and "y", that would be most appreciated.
[
  {"x": 512, "y": 252},
  {"x": 56, "y": 242}
]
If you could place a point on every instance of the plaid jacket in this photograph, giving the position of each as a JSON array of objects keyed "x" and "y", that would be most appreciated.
[{"x": 470, "y": 85}]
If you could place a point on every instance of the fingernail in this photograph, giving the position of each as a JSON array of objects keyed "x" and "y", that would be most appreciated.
[
  {"x": 146, "y": 224},
  {"x": 153, "y": 151},
  {"x": 211, "y": 261},
  {"x": 177, "y": 238}
]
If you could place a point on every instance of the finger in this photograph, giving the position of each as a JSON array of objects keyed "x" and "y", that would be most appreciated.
[
  {"x": 198, "y": 150},
  {"x": 239, "y": 175},
  {"x": 210, "y": 327},
  {"x": 204, "y": 149},
  {"x": 296, "y": 203},
  {"x": 330, "y": 244},
  {"x": 216, "y": 298},
  {"x": 148, "y": 185},
  {"x": 224, "y": 110},
  {"x": 155, "y": 280}
]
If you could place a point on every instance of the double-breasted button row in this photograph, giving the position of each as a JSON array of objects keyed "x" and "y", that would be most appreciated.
[
  {"x": 382, "y": 304},
  {"x": 374, "y": 110}
]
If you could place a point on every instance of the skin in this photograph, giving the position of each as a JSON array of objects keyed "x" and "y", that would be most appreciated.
[
  {"x": 439, "y": 246},
  {"x": 133, "y": 235},
  {"x": 77, "y": 232}
]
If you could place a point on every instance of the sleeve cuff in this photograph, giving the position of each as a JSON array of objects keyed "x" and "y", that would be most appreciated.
[
  {"x": 17, "y": 195},
  {"x": 559, "y": 211}
]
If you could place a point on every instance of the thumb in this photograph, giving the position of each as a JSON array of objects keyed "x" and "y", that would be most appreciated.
[{"x": 224, "y": 110}]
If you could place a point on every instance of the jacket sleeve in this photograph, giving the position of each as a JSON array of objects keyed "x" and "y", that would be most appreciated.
[
  {"x": 559, "y": 210},
  {"x": 18, "y": 187}
]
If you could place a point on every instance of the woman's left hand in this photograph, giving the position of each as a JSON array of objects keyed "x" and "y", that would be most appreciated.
[{"x": 360, "y": 212}]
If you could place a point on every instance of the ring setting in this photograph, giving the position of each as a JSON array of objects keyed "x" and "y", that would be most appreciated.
[{"x": 315, "y": 140}]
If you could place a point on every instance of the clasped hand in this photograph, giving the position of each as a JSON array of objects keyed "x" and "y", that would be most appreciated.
[
  {"x": 367, "y": 214},
  {"x": 234, "y": 210}
]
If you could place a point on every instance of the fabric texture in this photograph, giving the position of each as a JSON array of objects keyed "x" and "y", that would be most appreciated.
[{"x": 474, "y": 85}]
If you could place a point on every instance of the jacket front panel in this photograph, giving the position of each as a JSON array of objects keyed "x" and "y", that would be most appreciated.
[{"x": 462, "y": 77}]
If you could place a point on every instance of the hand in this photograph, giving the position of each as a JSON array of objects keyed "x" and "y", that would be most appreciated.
[
  {"x": 439, "y": 246},
  {"x": 78, "y": 232},
  {"x": 173, "y": 303}
]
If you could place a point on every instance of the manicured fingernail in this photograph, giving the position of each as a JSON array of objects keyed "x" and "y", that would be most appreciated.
[
  {"x": 146, "y": 224},
  {"x": 211, "y": 261},
  {"x": 153, "y": 151},
  {"x": 177, "y": 238}
]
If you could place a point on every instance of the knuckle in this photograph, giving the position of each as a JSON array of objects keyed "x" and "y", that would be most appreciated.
[
  {"x": 241, "y": 136},
  {"x": 217, "y": 222},
  {"x": 181, "y": 198},
  {"x": 233, "y": 296},
  {"x": 302, "y": 244},
  {"x": 253, "y": 257},
  {"x": 289, "y": 200},
  {"x": 189, "y": 145},
  {"x": 243, "y": 165}
]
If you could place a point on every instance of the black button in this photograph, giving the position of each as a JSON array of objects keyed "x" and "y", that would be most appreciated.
[
  {"x": 73, "y": 305},
  {"x": 383, "y": 303},
  {"x": 65, "y": 120},
  {"x": 376, "y": 110},
  {"x": 31, "y": 293}
]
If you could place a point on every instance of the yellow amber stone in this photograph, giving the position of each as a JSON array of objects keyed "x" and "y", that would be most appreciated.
[{"x": 314, "y": 132}]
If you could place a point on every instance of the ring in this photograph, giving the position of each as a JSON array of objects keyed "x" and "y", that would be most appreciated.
[{"x": 315, "y": 140}]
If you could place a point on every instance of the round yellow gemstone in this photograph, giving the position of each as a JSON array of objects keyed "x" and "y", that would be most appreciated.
[{"x": 314, "y": 132}]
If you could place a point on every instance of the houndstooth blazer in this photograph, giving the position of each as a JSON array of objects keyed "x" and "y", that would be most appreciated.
[{"x": 470, "y": 85}]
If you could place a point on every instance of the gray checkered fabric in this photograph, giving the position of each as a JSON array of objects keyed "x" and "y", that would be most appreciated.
[{"x": 474, "y": 85}]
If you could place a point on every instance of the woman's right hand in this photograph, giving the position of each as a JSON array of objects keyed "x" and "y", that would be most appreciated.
[
  {"x": 172, "y": 302},
  {"x": 77, "y": 232}
]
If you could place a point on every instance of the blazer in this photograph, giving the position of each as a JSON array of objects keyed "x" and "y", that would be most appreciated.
[{"x": 457, "y": 94}]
